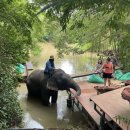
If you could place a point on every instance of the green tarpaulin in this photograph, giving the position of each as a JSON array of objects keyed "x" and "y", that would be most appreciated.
[
  {"x": 118, "y": 74},
  {"x": 20, "y": 68},
  {"x": 95, "y": 79},
  {"x": 126, "y": 76}
]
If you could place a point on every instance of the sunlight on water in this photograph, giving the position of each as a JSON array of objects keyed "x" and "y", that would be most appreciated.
[
  {"x": 67, "y": 67},
  {"x": 30, "y": 123}
]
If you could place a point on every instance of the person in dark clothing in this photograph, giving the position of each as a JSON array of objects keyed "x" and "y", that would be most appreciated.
[{"x": 50, "y": 66}]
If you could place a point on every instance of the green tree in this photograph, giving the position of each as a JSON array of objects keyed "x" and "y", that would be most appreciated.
[
  {"x": 105, "y": 23},
  {"x": 16, "y": 19}
]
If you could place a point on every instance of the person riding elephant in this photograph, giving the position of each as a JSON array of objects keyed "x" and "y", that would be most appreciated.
[
  {"x": 50, "y": 66},
  {"x": 40, "y": 84}
]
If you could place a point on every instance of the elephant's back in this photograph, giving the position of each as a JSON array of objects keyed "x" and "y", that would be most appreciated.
[
  {"x": 34, "y": 82},
  {"x": 35, "y": 78},
  {"x": 36, "y": 75}
]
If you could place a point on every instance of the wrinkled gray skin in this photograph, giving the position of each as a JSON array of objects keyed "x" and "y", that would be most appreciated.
[{"x": 39, "y": 84}]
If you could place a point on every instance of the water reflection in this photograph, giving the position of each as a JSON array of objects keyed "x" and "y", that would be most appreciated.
[
  {"x": 56, "y": 116},
  {"x": 31, "y": 123},
  {"x": 67, "y": 67}
]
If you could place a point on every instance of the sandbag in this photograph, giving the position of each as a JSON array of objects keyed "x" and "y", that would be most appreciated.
[
  {"x": 118, "y": 74},
  {"x": 20, "y": 68},
  {"x": 125, "y": 76},
  {"x": 95, "y": 79}
]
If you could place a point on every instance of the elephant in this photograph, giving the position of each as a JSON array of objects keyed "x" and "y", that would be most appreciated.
[{"x": 40, "y": 84}]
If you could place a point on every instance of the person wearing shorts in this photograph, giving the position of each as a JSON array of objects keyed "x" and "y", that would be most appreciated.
[{"x": 108, "y": 70}]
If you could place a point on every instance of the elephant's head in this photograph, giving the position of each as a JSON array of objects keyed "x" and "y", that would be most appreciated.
[{"x": 62, "y": 81}]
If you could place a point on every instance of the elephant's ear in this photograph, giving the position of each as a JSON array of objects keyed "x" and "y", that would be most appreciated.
[{"x": 51, "y": 84}]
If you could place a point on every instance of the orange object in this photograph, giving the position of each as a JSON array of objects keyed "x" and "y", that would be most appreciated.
[{"x": 108, "y": 68}]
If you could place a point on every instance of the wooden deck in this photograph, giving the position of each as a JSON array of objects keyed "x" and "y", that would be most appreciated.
[
  {"x": 112, "y": 104},
  {"x": 85, "y": 105}
]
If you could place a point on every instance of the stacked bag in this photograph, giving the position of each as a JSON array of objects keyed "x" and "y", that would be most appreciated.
[
  {"x": 95, "y": 78},
  {"x": 19, "y": 68},
  {"x": 120, "y": 76}
]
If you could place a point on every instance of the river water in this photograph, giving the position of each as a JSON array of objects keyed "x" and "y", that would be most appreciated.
[{"x": 57, "y": 116}]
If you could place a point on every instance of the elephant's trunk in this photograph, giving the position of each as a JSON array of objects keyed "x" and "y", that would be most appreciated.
[{"x": 76, "y": 87}]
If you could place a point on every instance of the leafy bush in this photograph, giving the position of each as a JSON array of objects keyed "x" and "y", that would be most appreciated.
[
  {"x": 16, "y": 19},
  {"x": 10, "y": 111}
]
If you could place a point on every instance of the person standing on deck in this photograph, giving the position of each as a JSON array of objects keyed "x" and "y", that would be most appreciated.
[
  {"x": 108, "y": 70},
  {"x": 50, "y": 66}
]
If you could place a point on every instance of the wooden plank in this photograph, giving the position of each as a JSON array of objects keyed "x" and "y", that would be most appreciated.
[
  {"x": 87, "y": 91},
  {"x": 82, "y": 75},
  {"x": 29, "y": 65},
  {"x": 87, "y": 74},
  {"x": 103, "y": 89},
  {"x": 113, "y": 105},
  {"x": 84, "y": 100}
]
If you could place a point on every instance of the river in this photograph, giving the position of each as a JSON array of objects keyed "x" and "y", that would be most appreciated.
[{"x": 57, "y": 116}]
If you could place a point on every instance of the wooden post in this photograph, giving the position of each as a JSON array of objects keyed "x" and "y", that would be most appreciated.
[{"x": 102, "y": 122}]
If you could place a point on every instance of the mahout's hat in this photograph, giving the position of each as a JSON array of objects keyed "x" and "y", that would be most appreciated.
[{"x": 51, "y": 57}]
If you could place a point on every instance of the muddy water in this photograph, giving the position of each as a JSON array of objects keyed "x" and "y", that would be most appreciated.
[{"x": 57, "y": 116}]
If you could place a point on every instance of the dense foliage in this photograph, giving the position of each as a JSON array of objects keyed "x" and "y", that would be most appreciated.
[
  {"x": 91, "y": 25},
  {"x": 16, "y": 20}
]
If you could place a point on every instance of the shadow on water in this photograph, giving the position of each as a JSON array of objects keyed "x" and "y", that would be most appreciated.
[{"x": 55, "y": 116}]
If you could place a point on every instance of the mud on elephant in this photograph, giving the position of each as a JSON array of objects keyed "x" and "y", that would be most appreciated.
[{"x": 39, "y": 84}]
